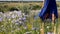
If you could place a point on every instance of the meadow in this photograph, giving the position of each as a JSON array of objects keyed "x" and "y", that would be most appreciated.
[{"x": 25, "y": 20}]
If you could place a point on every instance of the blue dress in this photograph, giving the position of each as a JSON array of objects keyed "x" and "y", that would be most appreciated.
[{"x": 48, "y": 9}]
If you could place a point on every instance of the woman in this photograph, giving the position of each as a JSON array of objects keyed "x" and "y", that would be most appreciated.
[{"x": 48, "y": 9}]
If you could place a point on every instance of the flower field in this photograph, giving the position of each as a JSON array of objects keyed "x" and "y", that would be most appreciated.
[
  {"x": 24, "y": 21},
  {"x": 17, "y": 22}
]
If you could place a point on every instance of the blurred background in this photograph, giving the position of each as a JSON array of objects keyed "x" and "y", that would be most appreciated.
[{"x": 21, "y": 17}]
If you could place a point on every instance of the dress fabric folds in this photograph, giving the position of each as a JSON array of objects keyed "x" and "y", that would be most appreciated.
[{"x": 48, "y": 9}]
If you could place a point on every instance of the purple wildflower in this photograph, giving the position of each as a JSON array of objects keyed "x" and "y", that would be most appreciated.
[{"x": 1, "y": 19}]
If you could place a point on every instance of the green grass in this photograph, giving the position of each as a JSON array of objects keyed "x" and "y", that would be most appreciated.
[
  {"x": 31, "y": 26},
  {"x": 8, "y": 27}
]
